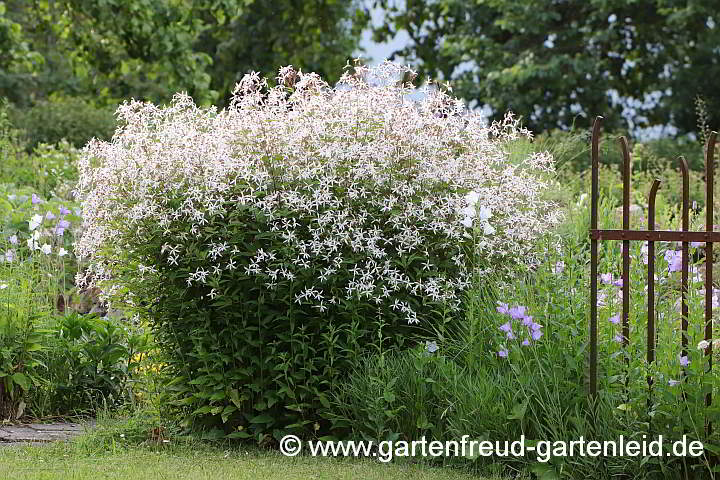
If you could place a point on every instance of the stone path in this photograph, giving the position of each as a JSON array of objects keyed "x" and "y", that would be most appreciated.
[{"x": 40, "y": 432}]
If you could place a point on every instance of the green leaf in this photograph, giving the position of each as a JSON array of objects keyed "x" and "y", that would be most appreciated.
[
  {"x": 21, "y": 380},
  {"x": 227, "y": 411},
  {"x": 544, "y": 471},
  {"x": 264, "y": 418},
  {"x": 518, "y": 411}
]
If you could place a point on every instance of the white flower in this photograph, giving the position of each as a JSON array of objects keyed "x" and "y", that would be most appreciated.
[
  {"x": 46, "y": 249},
  {"x": 472, "y": 198},
  {"x": 703, "y": 344},
  {"x": 468, "y": 211},
  {"x": 485, "y": 213},
  {"x": 35, "y": 221},
  {"x": 339, "y": 175},
  {"x": 62, "y": 252},
  {"x": 32, "y": 245},
  {"x": 3, "y": 285}
]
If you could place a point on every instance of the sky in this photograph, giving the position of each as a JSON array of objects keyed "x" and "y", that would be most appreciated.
[{"x": 377, "y": 52}]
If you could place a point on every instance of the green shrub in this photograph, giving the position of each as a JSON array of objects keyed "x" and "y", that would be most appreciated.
[
  {"x": 49, "y": 170},
  {"x": 274, "y": 244},
  {"x": 397, "y": 395},
  {"x": 72, "y": 119},
  {"x": 89, "y": 364}
]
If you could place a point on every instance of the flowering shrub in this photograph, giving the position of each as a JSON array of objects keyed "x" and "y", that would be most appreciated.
[{"x": 274, "y": 241}]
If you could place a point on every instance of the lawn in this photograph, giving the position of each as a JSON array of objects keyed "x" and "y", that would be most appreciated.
[{"x": 73, "y": 462}]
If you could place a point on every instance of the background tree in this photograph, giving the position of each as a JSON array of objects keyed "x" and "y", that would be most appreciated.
[
  {"x": 554, "y": 60},
  {"x": 85, "y": 54},
  {"x": 17, "y": 60},
  {"x": 316, "y": 36}
]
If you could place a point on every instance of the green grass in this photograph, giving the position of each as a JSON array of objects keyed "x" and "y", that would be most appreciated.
[{"x": 76, "y": 462}]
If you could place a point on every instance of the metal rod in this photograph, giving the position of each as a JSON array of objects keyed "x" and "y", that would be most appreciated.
[
  {"x": 685, "y": 254},
  {"x": 656, "y": 235},
  {"x": 593, "y": 255},
  {"x": 651, "y": 280},
  {"x": 626, "y": 244},
  {"x": 709, "y": 181}
]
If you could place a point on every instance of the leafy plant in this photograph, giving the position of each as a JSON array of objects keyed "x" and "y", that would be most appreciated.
[
  {"x": 90, "y": 363},
  {"x": 274, "y": 244}
]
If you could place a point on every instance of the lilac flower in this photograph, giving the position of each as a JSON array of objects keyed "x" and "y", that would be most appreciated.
[
  {"x": 676, "y": 264},
  {"x": 559, "y": 268},
  {"x": 431, "y": 347},
  {"x": 13, "y": 239},
  {"x": 618, "y": 282},
  {"x": 672, "y": 383},
  {"x": 506, "y": 327},
  {"x": 536, "y": 334},
  {"x": 49, "y": 215},
  {"x": 697, "y": 244},
  {"x": 59, "y": 231},
  {"x": 517, "y": 312},
  {"x": 502, "y": 308},
  {"x": 606, "y": 278},
  {"x": 62, "y": 223},
  {"x": 526, "y": 342},
  {"x": 684, "y": 361},
  {"x": 64, "y": 211},
  {"x": 510, "y": 336},
  {"x": 615, "y": 319},
  {"x": 674, "y": 259},
  {"x": 601, "y": 299},
  {"x": 618, "y": 338},
  {"x": 534, "y": 327},
  {"x": 503, "y": 353},
  {"x": 35, "y": 199},
  {"x": 527, "y": 320}
]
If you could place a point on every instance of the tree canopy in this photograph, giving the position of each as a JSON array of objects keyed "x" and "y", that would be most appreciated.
[
  {"x": 110, "y": 50},
  {"x": 554, "y": 60}
]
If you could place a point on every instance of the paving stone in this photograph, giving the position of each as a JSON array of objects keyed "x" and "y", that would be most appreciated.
[{"x": 41, "y": 432}]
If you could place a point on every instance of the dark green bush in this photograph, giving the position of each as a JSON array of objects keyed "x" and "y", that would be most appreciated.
[
  {"x": 73, "y": 119},
  {"x": 89, "y": 364},
  {"x": 253, "y": 362}
]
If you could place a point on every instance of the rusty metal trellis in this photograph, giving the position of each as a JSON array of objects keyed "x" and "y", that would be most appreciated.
[{"x": 626, "y": 235}]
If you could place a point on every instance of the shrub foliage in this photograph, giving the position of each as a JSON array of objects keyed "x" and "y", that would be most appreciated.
[{"x": 274, "y": 243}]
